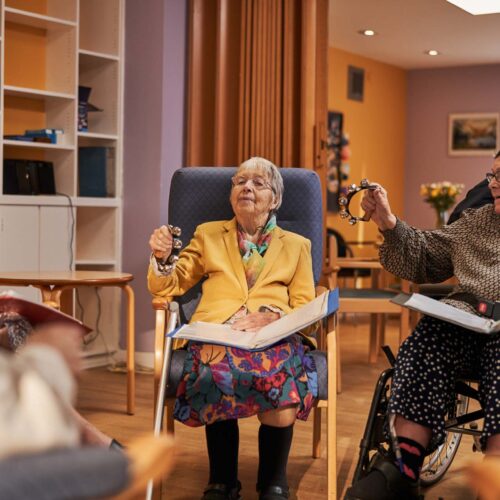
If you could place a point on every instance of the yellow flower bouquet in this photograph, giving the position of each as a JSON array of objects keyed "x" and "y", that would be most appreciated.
[{"x": 441, "y": 196}]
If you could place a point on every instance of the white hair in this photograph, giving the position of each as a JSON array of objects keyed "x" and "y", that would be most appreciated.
[{"x": 272, "y": 172}]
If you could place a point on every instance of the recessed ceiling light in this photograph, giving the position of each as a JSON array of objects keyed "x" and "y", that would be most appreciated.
[
  {"x": 367, "y": 32},
  {"x": 478, "y": 7},
  {"x": 432, "y": 52}
]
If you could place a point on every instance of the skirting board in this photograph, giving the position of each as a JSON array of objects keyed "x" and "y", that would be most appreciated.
[{"x": 144, "y": 359}]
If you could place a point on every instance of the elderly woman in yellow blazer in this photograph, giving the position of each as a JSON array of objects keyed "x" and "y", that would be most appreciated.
[{"x": 256, "y": 272}]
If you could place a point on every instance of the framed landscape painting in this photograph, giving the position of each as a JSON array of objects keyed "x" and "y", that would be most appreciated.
[{"x": 473, "y": 134}]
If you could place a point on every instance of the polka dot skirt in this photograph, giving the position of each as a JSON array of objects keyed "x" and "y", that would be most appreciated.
[{"x": 427, "y": 366}]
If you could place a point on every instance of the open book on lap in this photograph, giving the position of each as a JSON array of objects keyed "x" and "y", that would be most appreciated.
[
  {"x": 446, "y": 312},
  {"x": 212, "y": 333},
  {"x": 34, "y": 312}
]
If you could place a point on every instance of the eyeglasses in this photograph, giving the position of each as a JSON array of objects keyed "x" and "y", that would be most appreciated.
[
  {"x": 257, "y": 182},
  {"x": 490, "y": 176}
]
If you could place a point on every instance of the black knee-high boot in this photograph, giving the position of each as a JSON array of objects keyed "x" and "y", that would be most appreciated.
[
  {"x": 223, "y": 443},
  {"x": 274, "y": 447}
]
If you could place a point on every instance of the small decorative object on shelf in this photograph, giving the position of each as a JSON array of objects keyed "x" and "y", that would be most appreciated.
[
  {"x": 84, "y": 107},
  {"x": 344, "y": 201},
  {"x": 441, "y": 196}
]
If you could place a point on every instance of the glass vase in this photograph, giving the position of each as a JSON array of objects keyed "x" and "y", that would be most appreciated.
[{"x": 441, "y": 217}]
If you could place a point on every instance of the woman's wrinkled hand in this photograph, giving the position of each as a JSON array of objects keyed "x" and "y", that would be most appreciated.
[
  {"x": 253, "y": 322},
  {"x": 161, "y": 242},
  {"x": 376, "y": 204}
]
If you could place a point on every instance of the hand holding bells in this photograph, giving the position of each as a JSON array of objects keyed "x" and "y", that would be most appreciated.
[
  {"x": 344, "y": 201},
  {"x": 168, "y": 265}
]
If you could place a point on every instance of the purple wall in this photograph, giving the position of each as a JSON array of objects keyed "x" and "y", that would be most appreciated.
[
  {"x": 432, "y": 95},
  {"x": 153, "y": 135}
]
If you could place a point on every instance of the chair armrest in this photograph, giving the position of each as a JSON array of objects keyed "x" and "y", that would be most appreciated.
[{"x": 160, "y": 303}]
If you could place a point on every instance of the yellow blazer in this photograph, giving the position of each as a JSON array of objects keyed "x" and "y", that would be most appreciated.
[{"x": 286, "y": 281}]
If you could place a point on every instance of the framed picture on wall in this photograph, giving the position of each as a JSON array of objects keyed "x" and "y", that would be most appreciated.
[
  {"x": 334, "y": 144},
  {"x": 473, "y": 134}
]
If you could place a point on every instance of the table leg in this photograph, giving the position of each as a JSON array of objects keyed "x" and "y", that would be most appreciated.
[
  {"x": 51, "y": 296},
  {"x": 130, "y": 349}
]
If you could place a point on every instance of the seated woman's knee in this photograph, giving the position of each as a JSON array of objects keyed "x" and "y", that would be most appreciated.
[{"x": 281, "y": 417}]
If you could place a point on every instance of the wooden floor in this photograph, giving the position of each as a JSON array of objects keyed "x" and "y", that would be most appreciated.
[{"x": 102, "y": 401}]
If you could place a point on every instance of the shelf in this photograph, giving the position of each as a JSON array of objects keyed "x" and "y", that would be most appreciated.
[
  {"x": 18, "y": 199},
  {"x": 36, "y": 20},
  {"x": 38, "y": 58},
  {"x": 102, "y": 76},
  {"x": 57, "y": 200},
  {"x": 95, "y": 135},
  {"x": 97, "y": 55},
  {"x": 35, "y": 93},
  {"x": 38, "y": 145},
  {"x": 84, "y": 201},
  {"x": 100, "y": 22},
  {"x": 60, "y": 9}
]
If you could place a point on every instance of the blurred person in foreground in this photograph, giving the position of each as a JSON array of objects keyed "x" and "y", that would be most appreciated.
[{"x": 48, "y": 451}]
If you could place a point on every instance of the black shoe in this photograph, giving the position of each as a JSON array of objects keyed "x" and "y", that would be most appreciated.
[
  {"x": 274, "y": 493},
  {"x": 384, "y": 481},
  {"x": 219, "y": 491}
]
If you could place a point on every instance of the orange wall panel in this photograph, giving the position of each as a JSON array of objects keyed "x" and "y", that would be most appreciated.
[
  {"x": 21, "y": 114},
  {"x": 25, "y": 50},
  {"x": 37, "y": 6},
  {"x": 12, "y": 153},
  {"x": 376, "y": 129}
]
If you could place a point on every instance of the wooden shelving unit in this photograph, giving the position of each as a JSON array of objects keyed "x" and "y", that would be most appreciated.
[{"x": 48, "y": 48}]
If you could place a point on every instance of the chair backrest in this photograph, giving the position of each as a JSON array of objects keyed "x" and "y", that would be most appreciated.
[{"x": 201, "y": 194}]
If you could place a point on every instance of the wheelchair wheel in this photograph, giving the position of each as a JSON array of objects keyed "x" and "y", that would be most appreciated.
[{"x": 438, "y": 462}]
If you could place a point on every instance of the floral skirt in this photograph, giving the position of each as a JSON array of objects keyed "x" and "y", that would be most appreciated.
[{"x": 221, "y": 383}]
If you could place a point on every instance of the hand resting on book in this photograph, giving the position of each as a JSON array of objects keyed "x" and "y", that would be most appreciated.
[{"x": 253, "y": 322}]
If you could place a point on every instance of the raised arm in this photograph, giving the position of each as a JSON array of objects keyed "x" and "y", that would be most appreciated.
[
  {"x": 408, "y": 252},
  {"x": 188, "y": 270}
]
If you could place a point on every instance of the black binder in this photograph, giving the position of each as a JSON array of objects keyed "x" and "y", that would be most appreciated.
[{"x": 28, "y": 177}]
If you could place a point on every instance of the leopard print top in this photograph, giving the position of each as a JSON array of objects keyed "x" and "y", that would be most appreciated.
[{"x": 468, "y": 249}]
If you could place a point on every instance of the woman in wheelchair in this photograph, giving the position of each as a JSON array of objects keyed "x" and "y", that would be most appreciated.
[
  {"x": 255, "y": 273},
  {"x": 436, "y": 352}
]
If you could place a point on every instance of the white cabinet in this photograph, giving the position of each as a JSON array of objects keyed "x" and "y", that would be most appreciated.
[
  {"x": 56, "y": 238},
  {"x": 34, "y": 238},
  {"x": 19, "y": 238}
]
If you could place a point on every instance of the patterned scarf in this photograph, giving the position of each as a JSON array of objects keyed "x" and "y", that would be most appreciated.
[{"x": 252, "y": 254}]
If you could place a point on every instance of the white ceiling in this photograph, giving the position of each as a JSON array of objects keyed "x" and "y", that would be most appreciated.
[{"x": 406, "y": 28}]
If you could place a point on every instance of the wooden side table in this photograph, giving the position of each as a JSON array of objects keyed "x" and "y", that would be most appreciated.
[{"x": 53, "y": 283}]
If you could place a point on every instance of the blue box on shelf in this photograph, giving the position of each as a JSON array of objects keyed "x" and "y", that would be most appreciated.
[{"x": 92, "y": 171}]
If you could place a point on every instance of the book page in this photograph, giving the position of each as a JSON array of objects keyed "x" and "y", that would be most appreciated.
[
  {"x": 268, "y": 335},
  {"x": 213, "y": 333},
  {"x": 451, "y": 314},
  {"x": 291, "y": 323}
]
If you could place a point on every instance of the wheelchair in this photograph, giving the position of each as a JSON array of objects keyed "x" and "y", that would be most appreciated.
[{"x": 458, "y": 421}]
